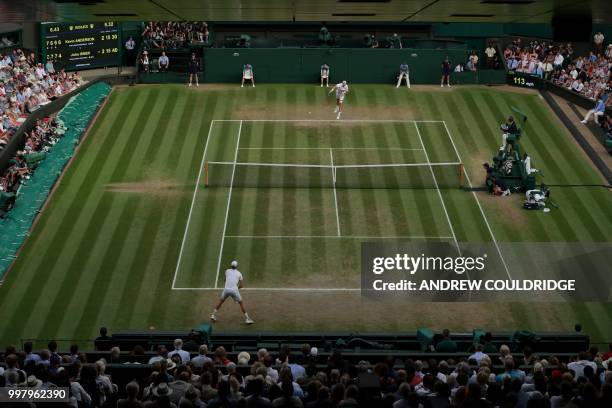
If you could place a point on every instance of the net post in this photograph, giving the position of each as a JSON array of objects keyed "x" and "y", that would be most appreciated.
[
  {"x": 206, "y": 173},
  {"x": 461, "y": 173}
]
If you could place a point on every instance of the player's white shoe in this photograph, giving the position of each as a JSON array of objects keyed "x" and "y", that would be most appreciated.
[
  {"x": 338, "y": 117},
  {"x": 583, "y": 121},
  {"x": 441, "y": 85},
  {"x": 190, "y": 84},
  {"x": 197, "y": 84},
  {"x": 448, "y": 85},
  {"x": 248, "y": 320},
  {"x": 242, "y": 86},
  {"x": 213, "y": 317},
  {"x": 321, "y": 85}
]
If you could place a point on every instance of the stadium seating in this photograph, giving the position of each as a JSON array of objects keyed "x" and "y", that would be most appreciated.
[{"x": 377, "y": 362}]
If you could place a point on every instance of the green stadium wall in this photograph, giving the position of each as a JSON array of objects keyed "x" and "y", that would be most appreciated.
[{"x": 288, "y": 65}]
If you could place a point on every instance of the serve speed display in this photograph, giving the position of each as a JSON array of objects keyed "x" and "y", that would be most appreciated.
[{"x": 76, "y": 46}]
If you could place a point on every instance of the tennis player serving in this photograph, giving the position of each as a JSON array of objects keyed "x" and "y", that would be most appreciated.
[
  {"x": 233, "y": 284},
  {"x": 341, "y": 91}
]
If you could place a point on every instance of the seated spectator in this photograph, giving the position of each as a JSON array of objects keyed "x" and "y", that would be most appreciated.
[
  {"x": 174, "y": 34},
  {"x": 478, "y": 354},
  {"x": 103, "y": 341},
  {"x": 510, "y": 371},
  {"x": 598, "y": 111},
  {"x": 325, "y": 36},
  {"x": 474, "y": 60},
  {"x": 446, "y": 344},
  {"x": 144, "y": 61},
  {"x": 369, "y": 41},
  {"x": 179, "y": 386},
  {"x": 608, "y": 353},
  {"x": 579, "y": 366},
  {"x": 202, "y": 357},
  {"x": 161, "y": 397},
  {"x": 395, "y": 41},
  {"x": 13, "y": 373},
  {"x": 178, "y": 349},
  {"x": 163, "y": 62},
  {"x": 131, "y": 401},
  {"x": 577, "y": 85},
  {"x": 162, "y": 354},
  {"x": 224, "y": 399},
  {"x": 598, "y": 40},
  {"x": 287, "y": 399}
]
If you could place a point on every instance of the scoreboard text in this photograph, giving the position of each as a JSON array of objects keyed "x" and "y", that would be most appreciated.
[{"x": 76, "y": 46}]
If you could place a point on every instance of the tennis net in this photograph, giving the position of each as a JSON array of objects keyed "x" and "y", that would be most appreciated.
[{"x": 413, "y": 175}]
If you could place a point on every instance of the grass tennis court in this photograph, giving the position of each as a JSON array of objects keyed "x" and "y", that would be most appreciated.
[
  {"x": 312, "y": 191},
  {"x": 129, "y": 221}
]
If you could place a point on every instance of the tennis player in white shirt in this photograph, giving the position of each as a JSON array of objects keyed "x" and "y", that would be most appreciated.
[
  {"x": 233, "y": 284},
  {"x": 341, "y": 91}
]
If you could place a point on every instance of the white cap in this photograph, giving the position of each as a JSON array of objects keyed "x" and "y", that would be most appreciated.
[
  {"x": 234, "y": 264},
  {"x": 344, "y": 82}
]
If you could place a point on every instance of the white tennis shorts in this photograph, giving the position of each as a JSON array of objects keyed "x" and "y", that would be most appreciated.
[{"x": 231, "y": 293}]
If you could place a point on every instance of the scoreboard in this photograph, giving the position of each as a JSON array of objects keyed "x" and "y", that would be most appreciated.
[{"x": 76, "y": 46}]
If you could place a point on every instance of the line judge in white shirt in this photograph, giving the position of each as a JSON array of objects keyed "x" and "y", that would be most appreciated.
[{"x": 233, "y": 284}]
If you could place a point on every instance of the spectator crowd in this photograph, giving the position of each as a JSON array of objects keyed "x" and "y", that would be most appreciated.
[
  {"x": 38, "y": 141},
  {"x": 488, "y": 377},
  {"x": 588, "y": 75},
  {"x": 25, "y": 86},
  {"x": 174, "y": 34}
]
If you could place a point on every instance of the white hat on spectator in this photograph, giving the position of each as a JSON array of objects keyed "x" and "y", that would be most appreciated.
[
  {"x": 244, "y": 358},
  {"x": 162, "y": 390},
  {"x": 314, "y": 351},
  {"x": 171, "y": 364},
  {"x": 33, "y": 382}
]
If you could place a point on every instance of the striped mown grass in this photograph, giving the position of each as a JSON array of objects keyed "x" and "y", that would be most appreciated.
[{"x": 104, "y": 251}]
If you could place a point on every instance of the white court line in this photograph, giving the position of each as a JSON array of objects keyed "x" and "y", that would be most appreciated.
[
  {"x": 450, "y": 224},
  {"x": 467, "y": 177},
  {"x": 229, "y": 200},
  {"x": 193, "y": 198},
  {"x": 342, "y": 166},
  {"x": 333, "y": 148},
  {"x": 336, "y": 236},
  {"x": 331, "y": 120},
  {"x": 331, "y": 154}
]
